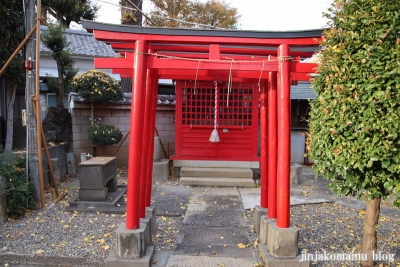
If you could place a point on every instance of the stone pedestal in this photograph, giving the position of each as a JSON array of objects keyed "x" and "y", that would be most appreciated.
[
  {"x": 279, "y": 246},
  {"x": 160, "y": 166},
  {"x": 97, "y": 177},
  {"x": 151, "y": 213},
  {"x": 295, "y": 173},
  {"x": 282, "y": 242},
  {"x": 133, "y": 248},
  {"x": 271, "y": 261},
  {"x": 264, "y": 228},
  {"x": 258, "y": 212}
]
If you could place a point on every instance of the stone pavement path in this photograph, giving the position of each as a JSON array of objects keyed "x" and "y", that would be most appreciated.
[{"x": 213, "y": 231}]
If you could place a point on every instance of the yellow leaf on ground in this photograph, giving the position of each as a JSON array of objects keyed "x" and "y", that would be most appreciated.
[
  {"x": 361, "y": 212},
  {"x": 220, "y": 264},
  {"x": 40, "y": 251},
  {"x": 240, "y": 245}
]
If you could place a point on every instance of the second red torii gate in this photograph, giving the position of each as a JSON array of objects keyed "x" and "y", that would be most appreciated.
[{"x": 148, "y": 54}]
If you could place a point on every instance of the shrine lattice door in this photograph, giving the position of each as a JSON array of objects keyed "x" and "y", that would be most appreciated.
[{"x": 237, "y": 121}]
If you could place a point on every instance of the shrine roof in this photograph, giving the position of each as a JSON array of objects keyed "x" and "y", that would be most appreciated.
[{"x": 92, "y": 25}]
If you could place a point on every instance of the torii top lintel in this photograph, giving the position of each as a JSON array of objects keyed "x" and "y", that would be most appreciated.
[{"x": 187, "y": 54}]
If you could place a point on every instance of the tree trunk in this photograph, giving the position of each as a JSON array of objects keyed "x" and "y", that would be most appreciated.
[
  {"x": 60, "y": 79},
  {"x": 369, "y": 230},
  {"x": 10, "y": 98},
  {"x": 126, "y": 83},
  {"x": 3, "y": 200}
]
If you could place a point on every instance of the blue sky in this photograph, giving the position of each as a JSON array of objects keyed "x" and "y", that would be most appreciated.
[{"x": 268, "y": 15}]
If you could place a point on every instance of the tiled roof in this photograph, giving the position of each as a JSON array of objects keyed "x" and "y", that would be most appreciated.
[
  {"x": 302, "y": 90},
  {"x": 82, "y": 43}
]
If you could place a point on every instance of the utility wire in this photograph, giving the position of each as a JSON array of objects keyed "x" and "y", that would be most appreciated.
[{"x": 162, "y": 17}]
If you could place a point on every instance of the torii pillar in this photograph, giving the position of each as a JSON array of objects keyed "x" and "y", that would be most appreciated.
[{"x": 133, "y": 238}]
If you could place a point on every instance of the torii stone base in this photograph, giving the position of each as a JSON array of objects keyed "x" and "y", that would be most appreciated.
[
  {"x": 134, "y": 247},
  {"x": 279, "y": 246}
]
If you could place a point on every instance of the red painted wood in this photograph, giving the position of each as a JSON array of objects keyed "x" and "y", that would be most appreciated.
[
  {"x": 283, "y": 160},
  {"x": 264, "y": 147},
  {"x": 195, "y": 50},
  {"x": 182, "y": 64},
  {"x": 152, "y": 83},
  {"x": 272, "y": 145},
  {"x": 136, "y": 140},
  {"x": 116, "y": 37},
  {"x": 214, "y": 52},
  {"x": 147, "y": 138}
]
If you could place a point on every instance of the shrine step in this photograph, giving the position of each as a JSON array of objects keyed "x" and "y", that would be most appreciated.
[
  {"x": 216, "y": 172},
  {"x": 218, "y": 182}
]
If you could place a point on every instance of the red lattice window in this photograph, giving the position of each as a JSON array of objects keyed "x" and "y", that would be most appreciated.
[{"x": 234, "y": 108}]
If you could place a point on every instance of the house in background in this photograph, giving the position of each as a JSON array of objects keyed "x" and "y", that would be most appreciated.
[{"x": 84, "y": 48}]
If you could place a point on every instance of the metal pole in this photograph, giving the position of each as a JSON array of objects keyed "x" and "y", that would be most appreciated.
[
  {"x": 283, "y": 170},
  {"x": 38, "y": 117},
  {"x": 136, "y": 140},
  {"x": 264, "y": 147},
  {"x": 272, "y": 145},
  {"x": 153, "y": 109}
]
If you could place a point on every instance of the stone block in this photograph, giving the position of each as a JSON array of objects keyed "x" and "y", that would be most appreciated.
[
  {"x": 282, "y": 242},
  {"x": 160, "y": 170},
  {"x": 157, "y": 149},
  {"x": 114, "y": 261},
  {"x": 151, "y": 213},
  {"x": 93, "y": 194},
  {"x": 264, "y": 228},
  {"x": 271, "y": 261},
  {"x": 295, "y": 173},
  {"x": 177, "y": 172},
  {"x": 71, "y": 164},
  {"x": 97, "y": 172},
  {"x": 257, "y": 213},
  {"x": 146, "y": 234},
  {"x": 112, "y": 185},
  {"x": 131, "y": 243},
  {"x": 55, "y": 164}
]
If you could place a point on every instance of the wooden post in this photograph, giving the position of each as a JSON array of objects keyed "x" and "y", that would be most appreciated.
[
  {"x": 272, "y": 145},
  {"x": 46, "y": 150},
  {"x": 283, "y": 160},
  {"x": 153, "y": 83},
  {"x": 147, "y": 153},
  {"x": 136, "y": 140},
  {"x": 264, "y": 147}
]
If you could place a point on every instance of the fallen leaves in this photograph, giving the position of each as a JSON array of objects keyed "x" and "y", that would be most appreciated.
[
  {"x": 39, "y": 252},
  {"x": 240, "y": 245}
]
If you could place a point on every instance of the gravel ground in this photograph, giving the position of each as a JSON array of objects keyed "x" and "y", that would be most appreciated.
[{"x": 328, "y": 227}]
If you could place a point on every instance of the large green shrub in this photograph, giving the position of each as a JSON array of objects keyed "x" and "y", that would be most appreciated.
[
  {"x": 97, "y": 86},
  {"x": 18, "y": 189},
  {"x": 104, "y": 135}
]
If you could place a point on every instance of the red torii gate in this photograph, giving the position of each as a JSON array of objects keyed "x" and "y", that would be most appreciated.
[{"x": 148, "y": 54}]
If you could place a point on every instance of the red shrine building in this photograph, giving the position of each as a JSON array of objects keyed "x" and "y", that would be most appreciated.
[{"x": 231, "y": 86}]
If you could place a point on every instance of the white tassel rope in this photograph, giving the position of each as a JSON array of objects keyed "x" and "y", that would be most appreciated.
[{"x": 214, "y": 135}]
